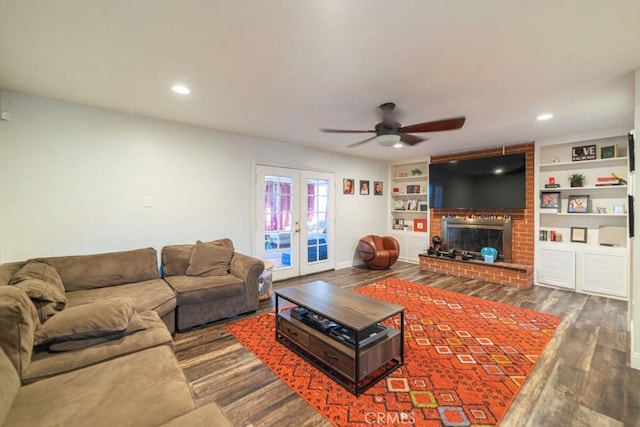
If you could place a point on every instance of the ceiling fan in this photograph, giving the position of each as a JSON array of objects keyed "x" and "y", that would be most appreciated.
[{"x": 389, "y": 132}]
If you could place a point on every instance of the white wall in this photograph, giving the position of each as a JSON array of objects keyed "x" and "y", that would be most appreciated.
[{"x": 73, "y": 181}]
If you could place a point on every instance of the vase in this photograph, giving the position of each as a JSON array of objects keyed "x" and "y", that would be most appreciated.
[{"x": 576, "y": 183}]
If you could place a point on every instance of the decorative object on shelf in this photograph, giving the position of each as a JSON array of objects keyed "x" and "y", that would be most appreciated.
[
  {"x": 619, "y": 209},
  {"x": 555, "y": 159},
  {"x": 412, "y": 205},
  {"x": 347, "y": 186},
  {"x": 579, "y": 234},
  {"x": 601, "y": 210},
  {"x": 550, "y": 199},
  {"x": 399, "y": 205},
  {"x": 423, "y": 206},
  {"x": 398, "y": 224},
  {"x": 364, "y": 187},
  {"x": 416, "y": 171},
  {"x": 396, "y": 190},
  {"x": 607, "y": 181},
  {"x": 583, "y": 152},
  {"x": 577, "y": 179},
  {"x": 578, "y": 204},
  {"x": 420, "y": 225},
  {"x": 403, "y": 174},
  {"x": 609, "y": 151},
  {"x": 552, "y": 180},
  {"x": 413, "y": 189},
  {"x": 619, "y": 178},
  {"x": 489, "y": 254},
  {"x": 377, "y": 188}
]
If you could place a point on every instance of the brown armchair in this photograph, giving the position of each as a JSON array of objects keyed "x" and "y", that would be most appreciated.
[{"x": 379, "y": 252}]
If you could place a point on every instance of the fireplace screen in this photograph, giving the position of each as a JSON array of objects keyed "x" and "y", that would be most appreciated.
[{"x": 474, "y": 234}]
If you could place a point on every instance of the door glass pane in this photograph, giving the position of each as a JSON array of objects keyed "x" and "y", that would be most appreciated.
[
  {"x": 317, "y": 224},
  {"x": 277, "y": 224}
]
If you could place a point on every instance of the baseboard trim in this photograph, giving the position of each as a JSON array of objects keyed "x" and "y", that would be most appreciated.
[{"x": 348, "y": 264}]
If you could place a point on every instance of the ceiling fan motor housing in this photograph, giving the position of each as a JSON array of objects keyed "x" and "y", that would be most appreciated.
[{"x": 386, "y": 129}]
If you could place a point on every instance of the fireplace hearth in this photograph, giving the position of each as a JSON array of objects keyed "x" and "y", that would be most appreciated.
[{"x": 473, "y": 234}]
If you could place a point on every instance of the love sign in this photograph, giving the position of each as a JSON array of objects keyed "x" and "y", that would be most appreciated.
[{"x": 584, "y": 152}]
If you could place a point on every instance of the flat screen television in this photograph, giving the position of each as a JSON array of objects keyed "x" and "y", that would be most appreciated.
[{"x": 497, "y": 182}]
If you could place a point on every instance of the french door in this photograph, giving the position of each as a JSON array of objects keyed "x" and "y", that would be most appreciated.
[{"x": 294, "y": 220}]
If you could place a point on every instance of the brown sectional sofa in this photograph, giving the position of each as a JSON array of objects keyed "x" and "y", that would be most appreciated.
[
  {"x": 133, "y": 379},
  {"x": 204, "y": 299}
]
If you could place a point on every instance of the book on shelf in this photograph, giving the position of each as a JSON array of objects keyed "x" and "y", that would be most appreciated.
[{"x": 552, "y": 186}]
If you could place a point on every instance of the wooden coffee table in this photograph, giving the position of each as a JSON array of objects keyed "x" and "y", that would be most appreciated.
[{"x": 353, "y": 365}]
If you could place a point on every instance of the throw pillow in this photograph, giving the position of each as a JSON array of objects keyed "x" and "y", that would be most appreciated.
[
  {"x": 18, "y": 323},
  {"x": 211, "y": 259},
  {"x": 136, "y": 324},
  {"x": 91, "y": 320},
  {"x": 43, "y": 285}
]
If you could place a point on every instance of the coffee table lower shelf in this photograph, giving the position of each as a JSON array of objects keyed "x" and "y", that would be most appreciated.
[{"x": 355, "y": 369}]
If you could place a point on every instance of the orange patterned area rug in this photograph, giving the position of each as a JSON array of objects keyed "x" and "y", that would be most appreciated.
[{"x": 465, "y": 360}]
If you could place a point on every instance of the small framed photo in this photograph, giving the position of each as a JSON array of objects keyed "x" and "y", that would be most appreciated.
[
  {"x": 347, "y": 186},
  {"x": 364, "y": 188},
  {"x": 377, "y": 188},
  {"x": 398, "y": 223},
  {"x": 412, "y": 205},
  {"x": 550, "y": 199},
  {"x": 601, "y": 210},
  {"x": 578, "y": 204},
  {"x": 413, "y": 189},
  {"x": 423, "y": 206},
  {"x": 579, "y": 234},
  {"x": 619, "y": 209},
  {"x": 399, "y": 205},
  {"x": 609, "y": 151}
]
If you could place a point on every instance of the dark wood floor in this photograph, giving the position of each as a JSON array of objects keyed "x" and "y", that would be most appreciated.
[{"x": 581, "y": 380}]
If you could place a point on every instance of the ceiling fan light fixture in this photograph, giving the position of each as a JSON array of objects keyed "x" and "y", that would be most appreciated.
[
  {"x": 545, "y": 116},
  {"x": 388, "y": 140},
  {"x": 398, "y": 145}
]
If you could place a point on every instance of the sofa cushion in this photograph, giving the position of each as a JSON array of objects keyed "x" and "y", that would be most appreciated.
[
  {"x": 81, "y": 272},
  {"x": 192, "y": 290},
  {"x": 43, "y": 285},
  {"x": 210, "y": 259},
  {"x": 146, "y": 388},
  {"x": 91, "y": 320},
  {"x": 176, "y": 258},
  {"x": 9, "y": 385},
  {"x": 45, "y": 364},
  {"x": 149, "y": 295},
  {"x": 135, "y": 325},
  {"x": 18, "y": 322}
]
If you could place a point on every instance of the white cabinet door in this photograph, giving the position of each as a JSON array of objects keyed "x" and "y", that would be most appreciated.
[
  {"x": 556, "y": 267},
  {"x": 606, "y": 272},
  {"x": 416, "y": 244}
]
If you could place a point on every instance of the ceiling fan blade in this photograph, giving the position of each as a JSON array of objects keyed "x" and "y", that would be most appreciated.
[
  {"x": 436, "y": 126},
  {"x": 355, "y": 144},
  {"x": 346, "y": 131},
  {"x": 411, "y": 139}
]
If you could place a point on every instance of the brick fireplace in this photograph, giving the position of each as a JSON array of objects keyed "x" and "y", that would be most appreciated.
[{"x": 519, "y": 271}]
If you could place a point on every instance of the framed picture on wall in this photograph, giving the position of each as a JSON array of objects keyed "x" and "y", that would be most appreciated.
[
  {"x": 377, "y": 188},
  {"x": 347, "y": 186},
  {"x": 364, "y": 187}
]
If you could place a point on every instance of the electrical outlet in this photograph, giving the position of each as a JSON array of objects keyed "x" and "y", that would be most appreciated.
[{"x": 147, "y": 202}]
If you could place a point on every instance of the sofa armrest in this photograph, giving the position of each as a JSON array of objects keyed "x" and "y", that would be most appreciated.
[
  {"x": 248, "y": 269},
  {"x": 208, "y": 415}
]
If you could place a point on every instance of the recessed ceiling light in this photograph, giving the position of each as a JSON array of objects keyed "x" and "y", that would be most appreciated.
[
  {"x": 181, "y": 89},
  {"x": 397, "y": 145},
  {"x": 545, "y": 116},
  {"x": 498, "y": 171}
]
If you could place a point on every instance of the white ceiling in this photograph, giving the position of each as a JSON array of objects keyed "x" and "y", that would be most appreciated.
[{"x": 281, "y": 69}]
